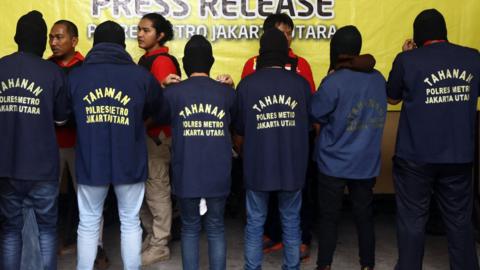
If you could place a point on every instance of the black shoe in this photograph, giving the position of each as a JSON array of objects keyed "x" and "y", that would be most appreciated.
[{"x": 101, "y": 261}]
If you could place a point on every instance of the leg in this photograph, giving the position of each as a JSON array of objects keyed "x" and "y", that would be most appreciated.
[
  {"x": 257, "y": 207},
  {"x": 330, "y": 199},
  {"x": 130, "y": 198},
  {"x": 44, "y": 200},
  {"x": 158, "y": 200},
  {"x": 215, "y": 227},
  {"x": 361, "y": 193},
  {"x": 191, "y": 227},
  {"x": 289, "y": 204},
  {"x": 11, "y": 205},
  {"x": 90, "y": 205},
  {"x": 413, "y": 188},
  {"x": 454, "y": 195}
]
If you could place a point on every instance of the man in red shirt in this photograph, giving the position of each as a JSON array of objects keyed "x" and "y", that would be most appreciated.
[
  {"x": 63, "y": 39},
  {"x": 156, "y": 214},
  {"x": 272, "y": 235},
  {"x": 285, "y": 24}
]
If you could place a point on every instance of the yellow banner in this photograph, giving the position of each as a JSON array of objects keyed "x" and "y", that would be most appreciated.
[{"x": 234, "y": 26}]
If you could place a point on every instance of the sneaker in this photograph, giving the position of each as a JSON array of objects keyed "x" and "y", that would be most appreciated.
[
  {"x": 304, "y": 252},
  {"x": 101, "y": 261},
  {"x": 154, "y": 254}
]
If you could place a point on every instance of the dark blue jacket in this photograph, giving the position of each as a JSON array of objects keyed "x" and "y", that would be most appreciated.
[
  {"x": 111, "y": 97},
  {"x": 439, "y": 86},
  {"x": 32, "y": 97},
  {"x": 273, "y": 118},
  {"x": 201, "y": 111},
  {"x": 351, "y": 108}
]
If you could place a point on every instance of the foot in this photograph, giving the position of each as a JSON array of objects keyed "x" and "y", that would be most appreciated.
[
  {"x": 70, "y": 249},
  {"x": 101, "y": 261},
  {"x": 154, "y": 254},
  {"x": 304, "y": 252},
  {"x": 366, "y": 268}
]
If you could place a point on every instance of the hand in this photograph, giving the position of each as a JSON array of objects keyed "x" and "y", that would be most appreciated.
[
  {"x": 226, "y": 79},
  {"x": 409, "y": 45},
  {"x": 170, "y": 79}
]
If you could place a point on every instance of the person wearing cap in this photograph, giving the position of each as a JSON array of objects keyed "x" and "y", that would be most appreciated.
[
  {"x": 273, "y": 120},
  {"x": 201, "y": 110},
  {"x": 32, "y": 97},
  {"x": 154, "y": 31},
  {"x": 111, "y": 97},
  {"x": 350, "y": 105},
  {"x": 438, "y": 83}
]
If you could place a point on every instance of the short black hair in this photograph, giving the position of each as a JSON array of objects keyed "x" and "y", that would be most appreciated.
[
  {"x": 161, "y": 25},
  {"x": 71, "y": 27},
  {"x": 277, "y": 18}
]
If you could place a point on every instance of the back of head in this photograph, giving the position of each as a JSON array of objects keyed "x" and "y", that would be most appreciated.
[
  {"x": 110, "y": 32},
  {"x": 31, "y": 33},
  {"x": 161, "y": 25},
  {"x": 273, "y": 49},
  {"x": 198, "y": 55},
  {"x": 429, "y": 25},
  {"x": 273, "y": 20},
  {"x": 346, "y": 41}
]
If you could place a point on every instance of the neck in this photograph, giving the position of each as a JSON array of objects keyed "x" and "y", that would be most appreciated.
[
  {"x": 156, "y": 47},
  {"x": 199, "y": 74},
  {"x": 67, "y": 57}
]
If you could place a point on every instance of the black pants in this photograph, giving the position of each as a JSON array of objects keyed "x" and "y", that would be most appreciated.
[
  {"x": 452, "y": 184},
  {"x": 330, "y": 198}
]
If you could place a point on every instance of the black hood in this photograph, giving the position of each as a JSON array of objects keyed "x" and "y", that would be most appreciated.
[
  {"x": 31, "y": 33},
  {"x": 198, "y": 55},
  {"x": 273, "y": 49},
  {"x": 429, "y": 25},
  {"x": 346, "y": 41}
]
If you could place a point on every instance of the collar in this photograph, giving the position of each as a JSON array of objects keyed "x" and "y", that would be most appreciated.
[
  {"x": 163, "y": 49},
  {"x": 77, "y": 57},
  {"x": 429, "y": 42}
]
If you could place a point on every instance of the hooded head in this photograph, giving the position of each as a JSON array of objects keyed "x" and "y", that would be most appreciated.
[
  {"x": 273, "y": 49},
  {"x": 110, "y": 32},
  {"x": 346, "y": 41},
  {"x": 198, "y": 55},
  {"x": 429, "y": 25},
  {"x": 31, "y": 33}
]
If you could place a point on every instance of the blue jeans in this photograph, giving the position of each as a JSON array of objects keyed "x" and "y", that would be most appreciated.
[
  {"x": 42, "y": 196},
  {"x": 289, "y": 203},
  {"x": 191, "y": 227},
  {"x": 90, "y": 205}
]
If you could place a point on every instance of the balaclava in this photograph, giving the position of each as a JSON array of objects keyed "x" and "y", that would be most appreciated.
[
  {"x": 31, "y": 34},
  {"x": 273, "y": 49},
  {"x": 346, "y": 41},
  {"x": 429, "y": 25},
  {"x": 109, "y": 31},
  {"x": 197, "y": 55}
]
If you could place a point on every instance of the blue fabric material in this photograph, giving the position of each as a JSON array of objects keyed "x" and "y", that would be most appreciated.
[
  {"x": 201, "y": 111},
  {"x": 351, "y": 108},
  {"x": 32, "y": 97},
  {"x": 111, "y": 97},
  {"x": 273, "y": 118},
  {"x": 439, "y": 85}
]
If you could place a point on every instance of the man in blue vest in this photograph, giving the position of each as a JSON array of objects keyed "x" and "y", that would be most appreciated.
[
  {"x": 438, "y": 83},
  {"x": 32, "y": 98},
  {"x": 111, "y": 97}
]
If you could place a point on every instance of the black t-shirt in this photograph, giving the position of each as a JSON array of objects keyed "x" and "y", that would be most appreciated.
[
  {"x": 201, "y": 111},
  {"x": 273, "y": 118},
  {"x": 32, "y": 98},
  {"x": 439, "y": 86}
]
